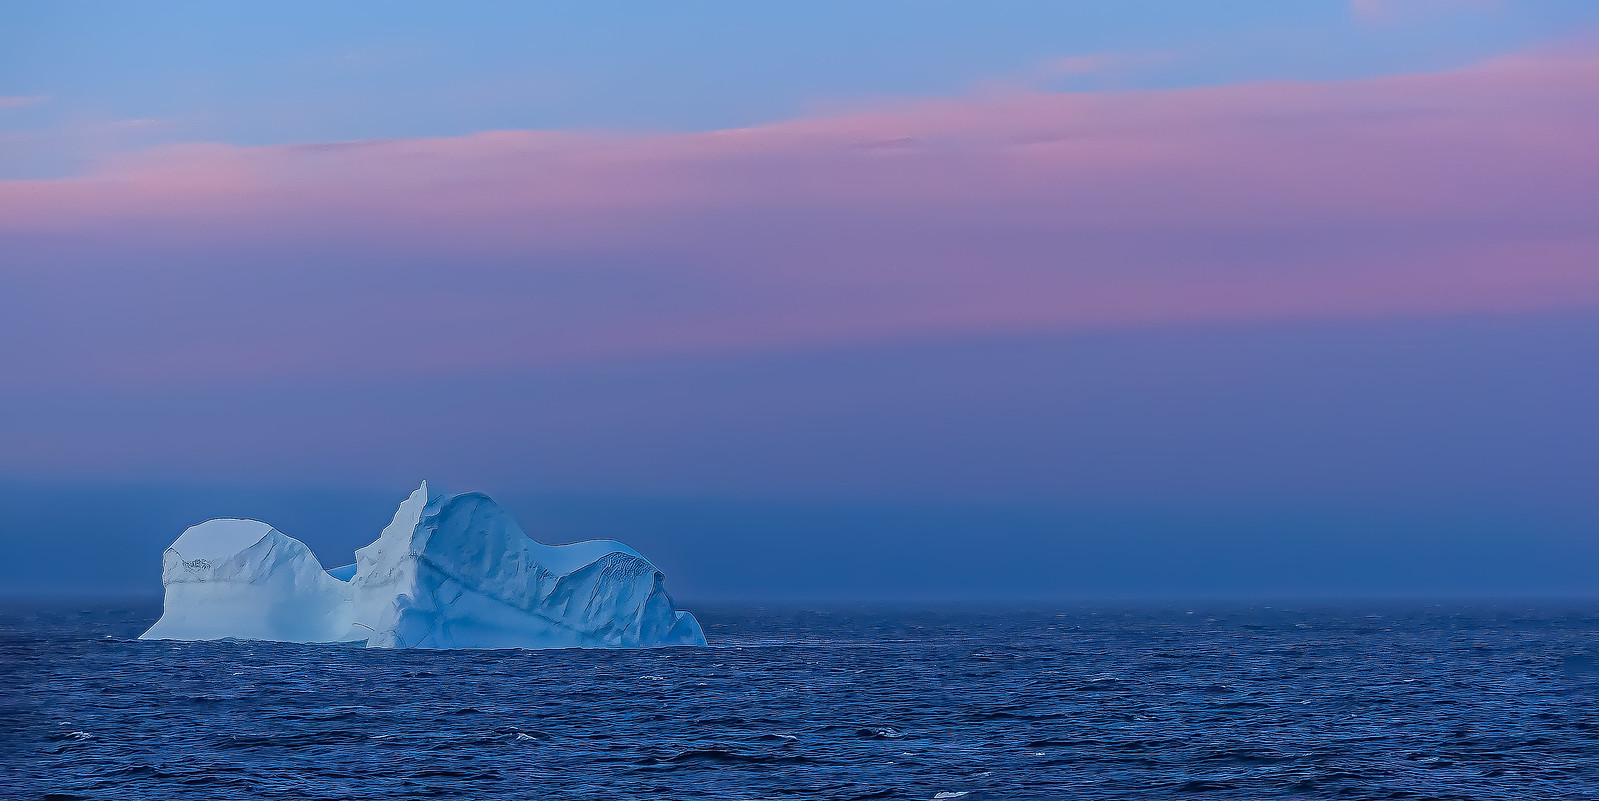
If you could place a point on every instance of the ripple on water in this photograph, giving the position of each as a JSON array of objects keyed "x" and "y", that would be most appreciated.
[{"x": 1086, "y": 703}]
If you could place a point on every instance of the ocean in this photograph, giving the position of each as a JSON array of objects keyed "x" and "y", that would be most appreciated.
[{"x": 1360, "y": 701}]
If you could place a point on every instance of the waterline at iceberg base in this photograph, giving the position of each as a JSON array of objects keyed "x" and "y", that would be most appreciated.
[{"x": 448, "y": 572}]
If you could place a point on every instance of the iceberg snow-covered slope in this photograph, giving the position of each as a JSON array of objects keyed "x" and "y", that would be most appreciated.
[
  {"x": 246, "y": 579},
  {"x": 447, "y": 572}
]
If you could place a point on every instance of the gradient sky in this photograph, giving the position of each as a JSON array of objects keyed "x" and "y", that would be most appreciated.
[{"x": 1033, "y": 300}]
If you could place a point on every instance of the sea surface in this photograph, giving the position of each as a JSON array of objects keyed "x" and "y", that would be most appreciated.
[{"x": 1487, "y": 701}]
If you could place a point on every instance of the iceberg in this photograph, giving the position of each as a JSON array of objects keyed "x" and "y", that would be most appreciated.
[
  {"x": 246, "y": 579},
  {"x": 447, "y": 572}
]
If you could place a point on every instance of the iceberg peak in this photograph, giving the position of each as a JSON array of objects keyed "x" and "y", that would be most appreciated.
[
  {"x": 218, "y": 538},
  {"x": 446, "y": 572}
]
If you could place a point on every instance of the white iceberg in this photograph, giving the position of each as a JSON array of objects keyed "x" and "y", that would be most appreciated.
[
  {"x": 246, "y": 579},
  {"x": 447, "y": 572}
]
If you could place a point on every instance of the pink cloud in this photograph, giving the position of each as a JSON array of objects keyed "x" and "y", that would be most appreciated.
[
  {"x": 1460, "y": 192},
  {"x": 1099, "y": 64},
  {"x": 1385, "y": 10},
  {"x": 19, "y": 102}
]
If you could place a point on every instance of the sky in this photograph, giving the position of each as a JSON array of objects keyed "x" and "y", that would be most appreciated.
[{"x": 883, "y": 301}]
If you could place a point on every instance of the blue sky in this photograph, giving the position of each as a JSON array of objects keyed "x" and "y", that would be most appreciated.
[
  {"x": 1165, "y": 298},
  {"x": 115, "y": 77}
]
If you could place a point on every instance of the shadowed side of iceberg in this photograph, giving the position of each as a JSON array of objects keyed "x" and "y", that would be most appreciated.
[{"x": 464, "y": 575}]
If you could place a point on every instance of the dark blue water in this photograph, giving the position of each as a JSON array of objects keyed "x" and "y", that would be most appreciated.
[{"x": 1491, "y": 702}]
